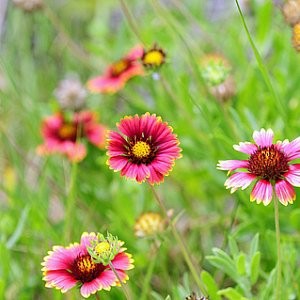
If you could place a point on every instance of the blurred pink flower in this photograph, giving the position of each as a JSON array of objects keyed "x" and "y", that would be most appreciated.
[
  {"x": 117, "y": 74},
  {"x": 145, "y": 148},
  {"x": 269, "y": 165},
  {"x": 66, "y": 267},
  {"x": 65, "y": 136}
]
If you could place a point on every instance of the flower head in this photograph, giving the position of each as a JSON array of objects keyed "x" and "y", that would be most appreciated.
[
  {"x": 144, "y": 149},
  {"x": 291, "y": 11},
  {"x": 214, "y": 69},
  {"x": 154, "y": 57},
  {"x": 269, "y": 165},
  {"x": 149, "y": 224},
  {"x": 66, "y": 267},
  {"x": 29, "y": 5},
  {"x": 71, "y": 94},
  {"x": 117, "y": 74},
  {"x": 63, "y": 135},
  {"x": 296, "y": 37}
]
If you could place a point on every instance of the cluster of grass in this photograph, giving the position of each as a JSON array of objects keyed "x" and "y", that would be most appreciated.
[{"x": 231, "y": 240}]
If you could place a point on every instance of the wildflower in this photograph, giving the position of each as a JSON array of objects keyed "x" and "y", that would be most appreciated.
[
  {"x": 145, "y": 148},
  {"x": 215, "y": 70},
  {"x": 291, "y": 12},
  {"x": 149, "y": 224},
  {"x": 118, "y": 73},
  {"x": 29, "y": 5},
  {"x": 269, "y": 165},
  {"x": 296, "y": 37},
  {"x": 66, "y": 267},
  {"x": 70, "y": 94},
  {"x": 64, "y": 136},
  {"x": 154, "y": 57}
]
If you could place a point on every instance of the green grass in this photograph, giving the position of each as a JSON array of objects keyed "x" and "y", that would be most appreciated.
[{"x": 38, "y": 50}]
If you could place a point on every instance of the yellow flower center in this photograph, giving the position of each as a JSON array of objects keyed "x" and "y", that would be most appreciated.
[
  {"x": 154, "y": 57},
  {"x": 119, "y": 67},
  {"x": 102, "y": 247},
  {"x": 86, "y": 265},
  {"x": 141, "y": 149},
  {"x": 68, "y": 131}
]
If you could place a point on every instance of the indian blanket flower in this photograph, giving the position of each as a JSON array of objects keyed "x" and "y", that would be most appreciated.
[
  {"x": 268, "y": 165},
  {"x": 144, "y": 148},
  {"x": 216, "y": 72},
  {"x": 117, "y": 74},
  {"x": 154, "y": 57},
  {"x": 296, "y": 37},
  {"x": 149, "y": 224},
  {"x": 66, "y": 267},
  {"x": 65, "y": 135}
]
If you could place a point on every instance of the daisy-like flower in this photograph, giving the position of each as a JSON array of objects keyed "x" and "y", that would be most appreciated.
[
  {"x": 144, "y": 149},
  {"x": 65, "y": 136},
  {"x": 116, "y": 75},
  {"x": 269, "y": 165},
  {"x": 149, "y": 224},
  {"x": 66, "y": 267},
  {"x": 154, "y": 57},
  {"x": 296, "y": 37}
]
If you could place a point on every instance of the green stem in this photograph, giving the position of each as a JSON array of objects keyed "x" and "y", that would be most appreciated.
[
  {"x": 149, "y": 273},
  {"x": 121, "y": 283},
  {"x": 262, "y": 66},
  {"x": 278, "y": 273},
  {"x": 181, "y": 243},
  {"x": 97, "y": 296},
  {"x": 131, "y": 20},
  {"x": 70, "y": 203}
]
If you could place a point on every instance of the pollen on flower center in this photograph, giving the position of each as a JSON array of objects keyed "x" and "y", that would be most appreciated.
[
  {"x": 102, "y": 247},
  {"x": 84, "y": 269},
  {"x": 268, "y": 163},
  {"x": 68, "y": 132},
  {"x": 141, "y": 149},
  {"x": 154, "y": 57},
  {"x": 119, "y": 67}
]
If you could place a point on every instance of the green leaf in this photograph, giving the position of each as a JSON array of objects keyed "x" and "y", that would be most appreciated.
[
  {"x": 233, "y": 247},
  {"x": 241, "y": 264},
  {"x": 231, "y": 294},
  {"x": 255, "y": 265},
  {"x": 211, "y": 285},
  {"x": 254, "y": 245},
  {"x": 168, "y": 298}
]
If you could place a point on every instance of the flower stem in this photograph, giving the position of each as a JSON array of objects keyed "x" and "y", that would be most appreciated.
[
  {"x": 97, "y": 296},
  {"x": 278, "y": 273},
  {"x": 131, "y": 20},
  {"x": 119, "y": 279},
  {"x": 70, "y": 203},
  {"x": 262, "y": 67},
  {"x": 181, "y": 243}
]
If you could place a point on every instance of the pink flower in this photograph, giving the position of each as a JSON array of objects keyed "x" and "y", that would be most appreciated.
[
  {"x": 145, "y": 148},
  {"x": 66, "y": 267},
  {"x": 269, "y": 165},
  {"x": 117, "y": 74},
  {"x": 64, "y": 136}
]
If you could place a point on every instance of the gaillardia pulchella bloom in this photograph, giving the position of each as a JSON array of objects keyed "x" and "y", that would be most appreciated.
[
  {"x": 118, "y": 73},
  {"x": 66, "y": 267},
  {"x": 145, "y": 148},
  {"x": 269, "y": 165},
  {"x": 154, "y": 57},
  {"x": 66, "y": 134},
  {"x": 216, "y": 72},
  {"x": 149, "y": 224}
]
